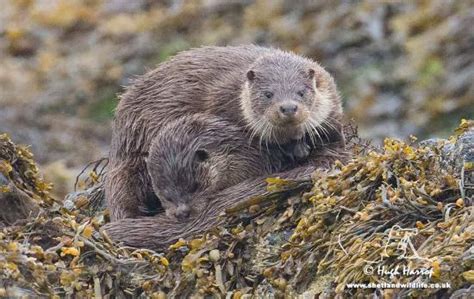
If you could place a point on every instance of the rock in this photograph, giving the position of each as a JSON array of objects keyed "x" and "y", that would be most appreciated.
[
  {"x": 15, "y": 204},
  {"x": 458, "y": 155}
]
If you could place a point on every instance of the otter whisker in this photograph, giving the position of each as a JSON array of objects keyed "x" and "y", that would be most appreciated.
[
  {"x": 257, "y": 127},
  {"x": 260, "y": 140},
  {"x": 315, "y": 129},
  {"x": 337, "y": 121},
  {"x": 320, "y": 125},
  {"x": 325, "y": 132},
  {"x": 310, "y": 132},
  {"x": 310, "y": 129},
  {"x": 331, "y": 126},
  {"x": 269, "y": 131},
  {"x": 254, "y": 127},
  {"x": 253, "y": 132},
  {"x": 264, "y": 132}
]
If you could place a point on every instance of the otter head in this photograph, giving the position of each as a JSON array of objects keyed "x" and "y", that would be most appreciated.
[
  {"x": 197, "y": 155},
  {"x": 179, "y": 171},
  {"x": 285, "y": 96},
  {"x": 177, "y": 179}
]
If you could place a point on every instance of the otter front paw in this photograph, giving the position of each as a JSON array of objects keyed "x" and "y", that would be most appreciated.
[
  {"x": 293, "y": 152},
  {"x": 301, "y": 151}
]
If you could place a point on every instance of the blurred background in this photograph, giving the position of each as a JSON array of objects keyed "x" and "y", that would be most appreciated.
[{"x": 403, "y": 67}]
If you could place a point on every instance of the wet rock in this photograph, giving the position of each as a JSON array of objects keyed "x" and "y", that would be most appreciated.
[
  {"x": 15, "y": 204},
  {"x": 459, "y": 153}
]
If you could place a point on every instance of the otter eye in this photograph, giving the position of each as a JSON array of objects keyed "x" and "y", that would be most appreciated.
[
  {"x": 194, "y": 187},
  {"x": 202, "y": 155},
  {"x": 301, "y": 93},
  {"x": 268, "y": 94}
]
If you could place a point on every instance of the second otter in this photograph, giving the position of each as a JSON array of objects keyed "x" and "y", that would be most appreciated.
[{"x": 199, "y": 155}]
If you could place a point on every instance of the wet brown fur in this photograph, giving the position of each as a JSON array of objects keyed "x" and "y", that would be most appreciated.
[{"x": 211, "y": 81}]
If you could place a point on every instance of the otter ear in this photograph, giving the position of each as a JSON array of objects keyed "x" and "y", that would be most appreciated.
[
  {"x": 251, "y": 75},
  {"x": 201, "y": 155}
]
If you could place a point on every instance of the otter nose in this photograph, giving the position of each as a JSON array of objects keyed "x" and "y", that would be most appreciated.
[
  {"x": 183, "y": 211},
  {"x": 288, "y": 109}
]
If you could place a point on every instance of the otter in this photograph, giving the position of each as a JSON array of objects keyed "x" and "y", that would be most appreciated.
[
  {"x": 285, "y": 104},
  {"x": 198, "y": 155}
]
